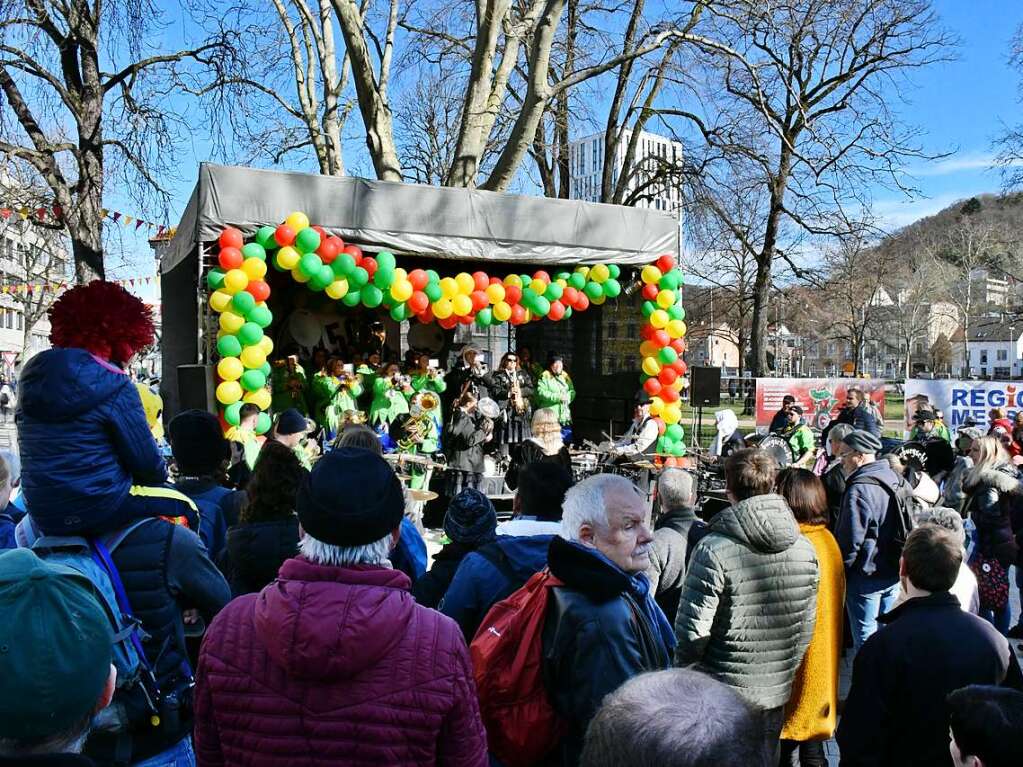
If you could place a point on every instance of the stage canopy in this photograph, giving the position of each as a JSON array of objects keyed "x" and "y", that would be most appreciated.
[{"x": 427, "y": 221}]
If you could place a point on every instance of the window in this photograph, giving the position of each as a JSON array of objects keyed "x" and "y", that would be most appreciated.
[
  {"x": 630, "y": 362},
  {"x": 582, "y": 160},
  {"x": 596, "y": 155},
  {"x": 1003, "y": 355},
  {"x": 612, "y": 330},
  {"x": 9, "y": 319},
  {"x": 983, "y": 356},
  {"x": 21, "y": 321}
]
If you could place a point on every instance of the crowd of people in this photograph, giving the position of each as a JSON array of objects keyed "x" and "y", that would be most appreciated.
[{"x": 159, "y": 618}]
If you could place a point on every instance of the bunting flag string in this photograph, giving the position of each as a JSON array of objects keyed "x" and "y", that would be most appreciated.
[
  {"x": 29, "y": 288},
  {"x": 56, "y": 213}
]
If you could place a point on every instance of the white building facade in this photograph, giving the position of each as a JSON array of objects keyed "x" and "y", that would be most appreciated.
[{"x": 15, "y": 240}]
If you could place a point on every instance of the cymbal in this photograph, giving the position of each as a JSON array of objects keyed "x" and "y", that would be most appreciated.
[
  {"x": 640, "y": 465},
  {"x": 422, "y": 460},
  {"x": 403, "y": 477},
  {"x": 422, "y": 495}
]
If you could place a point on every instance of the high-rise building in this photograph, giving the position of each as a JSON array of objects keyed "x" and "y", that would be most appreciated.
[{"x": 654, "y": 156}]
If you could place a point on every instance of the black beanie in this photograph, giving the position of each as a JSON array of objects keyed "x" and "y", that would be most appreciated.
[
  {"x": 350, "y": 498},
  {"x": 197, "y": 442}
]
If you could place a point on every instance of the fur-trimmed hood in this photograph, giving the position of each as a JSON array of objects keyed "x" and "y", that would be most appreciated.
[{"x": 1002, "y": 478}]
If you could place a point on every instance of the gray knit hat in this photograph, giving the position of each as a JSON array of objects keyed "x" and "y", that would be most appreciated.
[{"x": 862, "y": 442}]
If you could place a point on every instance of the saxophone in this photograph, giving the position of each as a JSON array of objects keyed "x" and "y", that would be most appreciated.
[{"x": 518, "y": 403}]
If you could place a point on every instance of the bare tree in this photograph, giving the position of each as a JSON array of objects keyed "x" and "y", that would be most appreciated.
[
  {"x": 78, "y": 124},
  {"x": 1010, "y": 143}
]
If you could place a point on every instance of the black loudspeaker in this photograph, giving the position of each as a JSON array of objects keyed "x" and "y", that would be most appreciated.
[
  {"x": 195, "y": 388},
  {"x": 705, "y": 387}
]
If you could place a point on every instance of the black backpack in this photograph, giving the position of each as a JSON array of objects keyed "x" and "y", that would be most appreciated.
[{"x": 905, "y": 506}]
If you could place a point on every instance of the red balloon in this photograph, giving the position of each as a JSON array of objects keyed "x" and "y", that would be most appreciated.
[
  {"x": 480, "y": 300},
  {"x": 284, "y": 235},
  {"x": 518, "y": 315},
  {"x": 467, "y": 319},
  {"x": 667, "y": 376},
  {"x": 231, "y": 238},
  {"x": 448, "y": 322},
  {"x": 512, "y": 295},
  {"x": 481, "y": 280},
  {"x": 557, "y": 310},
  {"x": 426, "y": 316},
  {"x": 652, "y": 386},
  {"x": 668, "y": 394},
  {"x": 495, "y": 280},
  {"x": 355, "y": 252},
  {"x": 583, "y": 303},
  {"x": 370, "y": 265},
  {"x": 418, "y": 278},
  {"x": 647, "y": 332},
  {"x": 328, "y": 250},
  {"x": 666, "y": 263},
  {"x": 231, "y": 258},
  {"x": 259, "y": 290},
  {"x": 671, "y": 462},
  {"x": 650, "y": 292},
  {"x": 661, "y": 338},
  {"x": 679, "y": 366},
  {"x": 570, "y": 296},
  {"x": 320, "y": 231},
  {"x": 418, "y": 302},
  {"x": 678, "y": 345},
  {"x": 661, "y": 425},
  {"x": 542, "y": 275}
]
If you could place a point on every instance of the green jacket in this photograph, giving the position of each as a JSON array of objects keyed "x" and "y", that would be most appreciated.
[
  {"x": 288, "y": 390},
  {"x": 332, "y": 399},
  {"x": 800, "y": 440},
  {"x": 388, "y": 402},
  {"x": 749, "y": 601},
  {"x": 552, "y": 392},
  {"x": 423, "y": 382}
]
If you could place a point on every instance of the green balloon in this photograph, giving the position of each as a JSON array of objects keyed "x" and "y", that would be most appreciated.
[
  {"x": 265, "y": 369},
  {"x": 323, "y": 277},
  {"x": 250, "y": 333},
  {"x": 352, "y": 298},
  {"x": 568, "y": 312},
  {"x": 254, "y": 250},
  {"x": 676, "y": 312},
  {"x": 261, "y": 316},
  {"x": 265, "y": 237},
  {"x": 667, "y": 355},
  {"x": 371, "y": 296},
  {"x": 541, "y": 305},
  {"x": 594, "y": 290},
  {"x": 308, "y": 240},
  {"x": 566, "y": 276},
  {"x": 612, "y": 288},
  {"x": 661, "y": 441},
  {"x": 577, "y": 281},
  {"x": 433, "y": 291},
  {"x": 673, "y": 432},
  {"x": 528, "y": 298},
  {"x": 399, "y": 312},
  {"x": 232, "y": 413},
  {"x": 615, "y": 270},
  {"x": 253, "y": 380},
  {"x": 229, "y": 346},
  {"x": 432, "y": 275},
  {"x": 384, "y": 277},
  {"x": 649, "y": 307},
  {"x": 310, "y": 263},
  {"x": 215, "y": 279},
  {"x": 263, "y": 423},
  {"x": 385, "y": 260},
  {"x": 678, "y": 449},
  {"x": 554, "y": 292},
  {"x": 343, "y": 265},
  {"x": 243, "y": 302},
  {"x": 359, "y": 277},
  {"x": 485, "y": 317}
]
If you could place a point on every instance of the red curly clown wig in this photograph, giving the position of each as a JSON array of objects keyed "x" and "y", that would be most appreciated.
[{"x": 104, "y": 319}]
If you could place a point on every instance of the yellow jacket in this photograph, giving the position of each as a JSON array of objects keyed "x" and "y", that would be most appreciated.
[{"x": 812, "y": 710}]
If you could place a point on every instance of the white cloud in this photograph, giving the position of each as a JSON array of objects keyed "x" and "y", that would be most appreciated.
[
  {"x": 895, "y": 214},
  {"x": 959, "y": 164}
]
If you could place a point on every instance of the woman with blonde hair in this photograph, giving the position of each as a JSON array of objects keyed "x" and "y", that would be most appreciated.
[
  {"x": 994, "y": 497},
  {"x": 544, "y": 446}
]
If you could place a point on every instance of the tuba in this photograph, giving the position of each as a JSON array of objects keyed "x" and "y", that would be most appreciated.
[{"x": 423, "y": 409}]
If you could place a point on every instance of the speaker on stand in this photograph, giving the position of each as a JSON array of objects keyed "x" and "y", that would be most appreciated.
[
  {"x": 195, "y": 388},
  {"x": 704, "y": 391}
]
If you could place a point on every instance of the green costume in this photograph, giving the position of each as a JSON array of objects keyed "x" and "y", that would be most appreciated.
[
  {"x": 251, "y": 444},
  {"x": 556, "y": 392},
  {"x": 436, "y": 384},
  {"x": 800, "y": 440},
  {"x": 288, "y": 389},
  {"x": 331, "y": 399},
  {"x": 388, "y": 402}
]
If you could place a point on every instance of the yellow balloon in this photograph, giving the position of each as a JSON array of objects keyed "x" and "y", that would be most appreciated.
[
  {"x": 672, "y": 413},
  {"x": 448, "y": 288},
  {"x": 299, "y": 276},
  {"x": 235, "y": 280},
  {"x": 600, "y": 273},
  {"x": 400, "y": 275},
  {"x": 495, "y": 293},
  {"x": 675, "y": 328},
  {"x": 231, "y": 322},
  {"x": 514, "y": 280},
  {"x": 583, "y": 270},
  {"x": 659, "y": 318},
  {"x": 665, "y": 299},
  {"x": 401, "y": 291},
  {"x": 598, "y": 300},
  {"x": 230, "y": 369},
  {"x": 443, "y": 309},
  {"x": 337, "y": 289},
  {"x": 538, "y": 286},
  {"x": 656, "y": 406},
  {"x": 562, "y": 282},
  {"x": 648, "y": 349},
  {"x": 260, "y": 398},
  {"x": 253, "y": 357},
  {"x": 297, "y": 221},
  {"x": 651, "y": 366},
  {"x": 254, "y": 268},
  {"x": 502, "y": 311},
  {"x": 461, "y": 305},
  {"x": 288, "y": 258},
  {"x": 229, "y": 392},
  {"x": 266, "y": 344},
  {"x": 650, "y": 275},
  {"x": 219, "y": 300},
  {"x": 466, "y": 284}
]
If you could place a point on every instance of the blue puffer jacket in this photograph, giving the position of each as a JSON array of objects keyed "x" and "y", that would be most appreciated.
[
  {"x": 84, "y": 440},
  {"x": 488, "y": 575}
]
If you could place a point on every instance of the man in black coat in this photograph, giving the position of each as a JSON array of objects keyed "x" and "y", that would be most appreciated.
[
  {"x": 896, "y": 712},
  {"x": 780, "y": 420}
]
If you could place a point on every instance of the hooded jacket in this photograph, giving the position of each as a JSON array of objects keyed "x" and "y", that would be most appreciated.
[
  {"x": 336, "y": 665},
  {"x": 748, "y": 605},
  {"x": 865, "y": 531},
  {"x": 669, "y": 555},
  {"x": 994, "y": 496},
  {"x": 83, "y": 439}
]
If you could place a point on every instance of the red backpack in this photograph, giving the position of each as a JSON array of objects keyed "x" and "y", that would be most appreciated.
[{"x": 507, "y": 659}]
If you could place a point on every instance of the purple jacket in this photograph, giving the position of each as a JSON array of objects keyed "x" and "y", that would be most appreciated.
[{"x": 335, "y": 665}]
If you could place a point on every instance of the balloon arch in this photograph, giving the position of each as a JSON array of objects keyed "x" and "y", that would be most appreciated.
[{"x": 239, "y": 293}]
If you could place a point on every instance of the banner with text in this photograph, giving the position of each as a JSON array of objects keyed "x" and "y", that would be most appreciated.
[
  {"x": 960, "y": 400},
  {"x": 820, "y": 398}
]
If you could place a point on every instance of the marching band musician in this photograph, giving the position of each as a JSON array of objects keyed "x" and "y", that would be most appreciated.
[
  {"x": 464, "y": 440},
  {"x": 544, "y": 445},
  {"x": 470, "y": 373},
  {"x": 641, "y": 436},
  {"x": 288, "y": 383},
  {"x": 426, "y": 377},
  {"x": 368, "y": 370},
  {"x": 555, "y": 390},
  {"x": 390, "y": 397},
  {"x": 800, "y": 438},
  {"x": 512, "y": 389},
  {"x": 335, "y": 392}
]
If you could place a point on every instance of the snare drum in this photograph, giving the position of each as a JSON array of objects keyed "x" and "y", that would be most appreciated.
[
  {"x": 584, "y": 465},
  {"x": 778, "y": 447}
]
